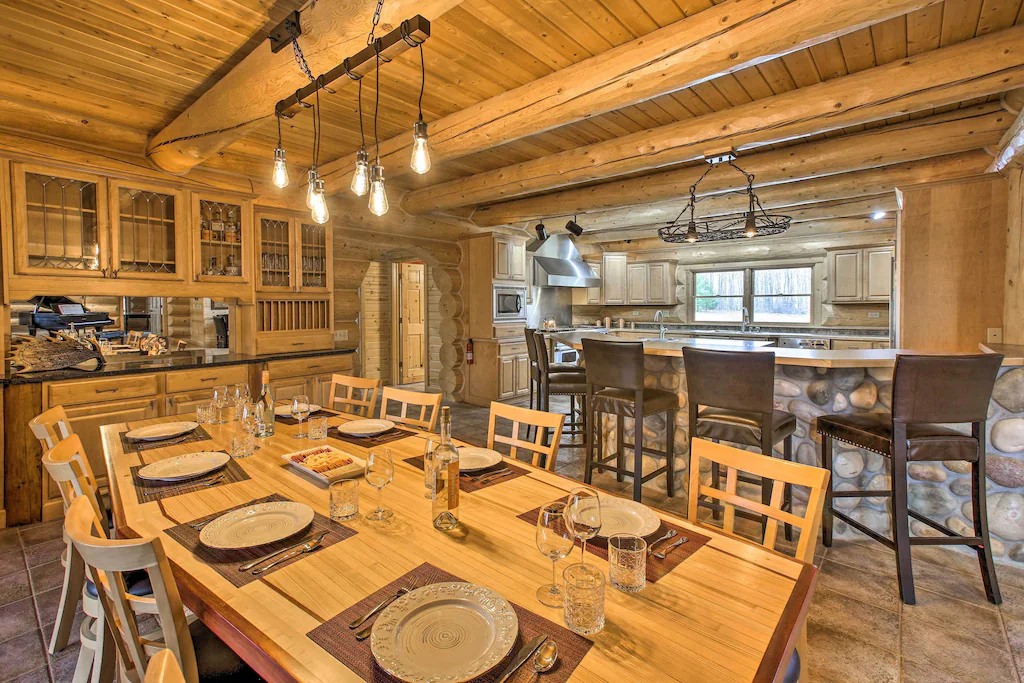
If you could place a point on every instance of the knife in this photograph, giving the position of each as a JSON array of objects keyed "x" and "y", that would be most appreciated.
[{"x": 525, "y": 652}]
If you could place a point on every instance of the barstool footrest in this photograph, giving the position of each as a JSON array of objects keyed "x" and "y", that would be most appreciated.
[
  {"x": 888, "y": 543},
  {"x": 952, "y": 537},
  {"x": 861, "y": 494}
]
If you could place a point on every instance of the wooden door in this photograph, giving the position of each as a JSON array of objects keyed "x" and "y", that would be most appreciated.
[
  {"x": 845, "y": 275},
  {"x": 517, "y": 261},
  {"x": 186, "y": 401},
  {"x": 614, "y": 279},
  {"x": 636, "y": 283},
  {"x": 522, "y": 372},
  {"x": 657, "y": 283},
  {"x": 877, "y": 273},
  {"x": 506, "y": 377},
  {"x": 594, "y": 293},
  {"x": 413, "y": 333},
  {"x": 313, "y": 261},
  {"x": 147, "y": 232},
  {"x": 221, "y": 238}
]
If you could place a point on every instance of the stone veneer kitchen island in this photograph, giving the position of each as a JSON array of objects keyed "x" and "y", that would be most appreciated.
[{"x": 811, "y": 383}]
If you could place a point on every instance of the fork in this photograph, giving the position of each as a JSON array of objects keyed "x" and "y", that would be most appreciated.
[
  {"x": 491, "y": 475},
  {"x": 209, "y": 482}
]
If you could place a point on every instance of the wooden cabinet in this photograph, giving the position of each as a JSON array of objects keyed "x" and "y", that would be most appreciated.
[
  {"x": 530, "y": 278},
  {"x": 310, "y": 376},
  {"x": 506, "y": 377},
  {"x": 651, "y": 282},
  {"x": 860, "y": 275},
  {"x": 614, "y": 279},
  {"x": 292, "y": 254},
  {"x": 636, "y": 283},
  {"x": 878, "y": 273},
  {"x": 148, "y": 237},
  {"x": 857, "y": 344},
  {"x": 509, "y": 258},
  {"x": 221, "y": 238}
]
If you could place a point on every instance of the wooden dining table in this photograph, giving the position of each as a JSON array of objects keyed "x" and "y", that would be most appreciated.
[{"x": 731, "y": 612}]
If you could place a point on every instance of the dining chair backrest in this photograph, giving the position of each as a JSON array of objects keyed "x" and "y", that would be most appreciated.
[
  {"x": 429, "y": 405},
  {"x": 105, "y": 561},
  {"x": 780, "y": 472},
  {"x": 134, "y": 338},
  {"x": 524, "y": 416},
  {"x": 68, "y": 465},
  {"x": 358, "y": 404},
  {"x": 180, "y": 345},
  {"x": 50, "y": 426},
  {"x": 163, "y": 668}
]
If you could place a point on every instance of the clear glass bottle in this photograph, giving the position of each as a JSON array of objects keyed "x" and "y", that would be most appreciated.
[
  {"x": 445, "y": 465},
  {"x": 266, "y": 401}
]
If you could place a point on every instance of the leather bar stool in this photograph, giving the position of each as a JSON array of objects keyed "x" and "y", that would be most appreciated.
[
  {"x": 560, "y": 379},
  {"x": 928, "y": 393},
  {"x": 731, "y": 398},
  {"x": 534, "y": 353},
  {"x": 615, "y": 385}
]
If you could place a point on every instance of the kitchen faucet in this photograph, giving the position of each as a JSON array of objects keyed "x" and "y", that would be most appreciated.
[
  {"x": 746, "y": 319},
  {"x": 659, "y": 317}
]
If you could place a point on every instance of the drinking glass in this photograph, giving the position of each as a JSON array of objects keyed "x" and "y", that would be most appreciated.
[
  {"x": 204, "y": 413},
  {"x": 300, "y": 409},
  {"x": 627, "y": 562},
  {"x": 239, "y": 394},
  {"x": 344, "y": 499},
  {"x": 428, "y": 468},
  {"x": 584, "y": 599},
  {"x": 583, "y": 515},
  {"x": 250, "y": 418},
  {"x": 317, "y": 428},
  {"x": 555, "y": 542},
  {"x": 380, "y": 470},
  {"x": 220, "y": 401},
  {"x": 243, "y": 444}
]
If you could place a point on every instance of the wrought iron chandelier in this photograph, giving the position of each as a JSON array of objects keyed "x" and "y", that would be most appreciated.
[{"x": 755, "y": 222}]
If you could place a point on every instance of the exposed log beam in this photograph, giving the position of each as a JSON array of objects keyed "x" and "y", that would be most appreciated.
[
  {"x": 956, "y": 131},
  {"x": 1010, "y": 150},
  {"x": 243, "y": 99},
  {"x": 690, "y": 51},
  {"x": 829, "y": 188}
]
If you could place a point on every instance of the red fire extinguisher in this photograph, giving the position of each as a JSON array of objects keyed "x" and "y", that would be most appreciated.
[{"x": 469, "y": 352}]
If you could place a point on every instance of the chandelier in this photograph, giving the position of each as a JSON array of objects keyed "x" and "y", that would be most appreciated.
[{"x": 755, "y": 222}]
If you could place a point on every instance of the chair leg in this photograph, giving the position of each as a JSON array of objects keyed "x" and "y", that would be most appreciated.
[
  {"x": 787, "y": 453},
  {"x": 980, "y": 506},
  {"x": 70, "y": 594},
  {"x": 620, "y": 450},
  {"x": 86, "y": 656},
  {"x": 670, "y": 450},
  {"x": 591, "y": 444},
  {"x": 826, "y": 514},
  {"x": 105, "y": 658},
  {"x": 766, "y": 484},
  {"x": 530, "y": 428},
  {"x": 900, "y": 517},
  {"x": 638, "y": 458}
]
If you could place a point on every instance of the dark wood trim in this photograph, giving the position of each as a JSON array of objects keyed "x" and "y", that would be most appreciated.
[
  {"x": 794, "y": 617},
  {"x": 23, "y": 466}
]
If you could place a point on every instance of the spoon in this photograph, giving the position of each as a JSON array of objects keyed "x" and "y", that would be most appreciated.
[{"x": 545, "y": 657}]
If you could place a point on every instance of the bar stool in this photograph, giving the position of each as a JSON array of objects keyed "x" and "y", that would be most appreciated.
[
  {"x": 731, "y": 398},
  {"x": 615, "y": 385},
  {"x": 560, "y": 379},
  {"x": 928, "y": 391},
  {"x": 533, "y": 353}
]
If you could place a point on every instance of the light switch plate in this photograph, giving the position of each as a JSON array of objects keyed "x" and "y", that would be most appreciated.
[
  {"x": 636, "y": 312},
  {"x": 994, "y": 335},
  {"x": 341, "y": 335}
]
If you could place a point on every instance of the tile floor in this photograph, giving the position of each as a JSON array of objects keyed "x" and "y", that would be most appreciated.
[{"x": 858, "y": 630}]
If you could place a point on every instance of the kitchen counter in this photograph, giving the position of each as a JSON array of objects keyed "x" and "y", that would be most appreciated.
[{"x": 881, "y": 334}]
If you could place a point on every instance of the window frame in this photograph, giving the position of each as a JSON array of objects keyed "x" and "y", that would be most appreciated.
[
  {"x": 693, "y": 295},
  {"x": 754, "y": 296},
  {"x": 748, "y": 269}
]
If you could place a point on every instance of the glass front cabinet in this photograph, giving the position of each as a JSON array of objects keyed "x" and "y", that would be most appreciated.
[
  {"x": 221, "y": 238},
  {"x": 148, "y": 233},
  {"x": 293, "y": 253}
]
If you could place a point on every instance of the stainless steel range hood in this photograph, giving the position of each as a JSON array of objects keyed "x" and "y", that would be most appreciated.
[{"x": 558, "y": 264}]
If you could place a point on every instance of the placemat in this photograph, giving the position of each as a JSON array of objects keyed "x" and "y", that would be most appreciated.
[
  {"x": 340, "y": 641},
  {"x": 146, "y": 491},
  {"x": 656, "y": 568},
  {"x": 466, "y": 482},
  {"x": 226, "y": 562},
  {"x": 292, "y": 421},
  {"x": 393, "y": 434},
  {"x": 133, "y": 446}
]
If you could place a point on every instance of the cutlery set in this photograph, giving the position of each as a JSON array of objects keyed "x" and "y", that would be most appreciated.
[
  {"x": 182, "y": 487},
  {"x": 491, "y": 476},
  {"x": 662, "y": 554},
  {"x": 364, "y": 621},
  {"x": 297, "y": 549}
]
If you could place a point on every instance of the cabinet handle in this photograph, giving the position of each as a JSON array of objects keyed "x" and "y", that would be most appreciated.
[
  {"x": 298, "y": 343},
  {"x": 207, "y": 379},
  {"x": 104, "y": 271},
  {"x": 108, "y": 391},
  {"x": 114, "y": 273}
]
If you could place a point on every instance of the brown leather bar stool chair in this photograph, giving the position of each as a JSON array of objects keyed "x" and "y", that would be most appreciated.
[
  {"x": 533, "y": 352},
  {"x": 731, "y": 398},
  {"x": 928, "y": 392},
  {"x": 560, "y": 379},
  {"x": 615, "y": 385}
]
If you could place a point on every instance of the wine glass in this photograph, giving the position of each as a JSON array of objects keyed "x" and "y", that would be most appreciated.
[
  {"x": 220, "y": 401},
  {"x": 555, "y": 542},
  {"x": 300, "y": 410},
  {"x": 380, "y": 470},
  {"x": 249, "y": 416},
  {"x": 583, "y": 515},
  {"x": 428, "y": 468}
]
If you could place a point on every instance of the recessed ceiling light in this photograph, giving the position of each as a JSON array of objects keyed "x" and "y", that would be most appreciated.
[{"x": 878, "y": 215}]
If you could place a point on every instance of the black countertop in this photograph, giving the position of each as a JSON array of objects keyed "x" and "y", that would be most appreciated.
[{"x": 179, "y": 360}]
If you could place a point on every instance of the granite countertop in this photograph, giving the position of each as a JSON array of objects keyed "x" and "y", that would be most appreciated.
[
  {"x": 881, "y": 334},
  {"x": 178, "y": 360}
]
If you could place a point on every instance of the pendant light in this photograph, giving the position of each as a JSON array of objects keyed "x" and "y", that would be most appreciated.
[
  {"x": 311, "y": 187},
  {"x": 691, "y": 233},
  {"x": 319, "y": 210},
  {"x": 361, "y": 177},
  {"x": 420, "y": 161},
  {"x": 378, "y": 203},
  {"x": 316, "y": 195},
  {"x": 280, "y": 175}
]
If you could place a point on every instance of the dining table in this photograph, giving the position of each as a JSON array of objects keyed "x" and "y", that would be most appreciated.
[{"x": 732, "y": 611}]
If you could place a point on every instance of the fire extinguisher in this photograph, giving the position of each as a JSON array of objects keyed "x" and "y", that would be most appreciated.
[{"x": 469, "y": 352}]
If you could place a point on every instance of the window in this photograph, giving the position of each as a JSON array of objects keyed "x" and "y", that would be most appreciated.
[
  {"x": 718, "y": 296},
  {"x": 782, "y": 295}
]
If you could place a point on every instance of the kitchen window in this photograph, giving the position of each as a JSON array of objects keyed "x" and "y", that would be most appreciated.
[
  {"x": 718, "y": 296},
  {"x": 781, "y": 296}
]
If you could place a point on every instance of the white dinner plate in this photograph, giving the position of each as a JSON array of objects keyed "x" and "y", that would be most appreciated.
[
  {"x": 184, "y": 467},
  {"x": 285, "y": 410},
  {"x": 256, "y": 525},
  {"x": 365, "y": 427},
  {"x": 167, "y": 430},
  {"x": 623, "y": 516},
  {"x": 444, "y": 632},
  {"x": 472, "y": 458}
]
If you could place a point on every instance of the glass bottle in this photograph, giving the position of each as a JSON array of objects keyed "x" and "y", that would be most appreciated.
[
  {"x": 266, "y": 402},
  {"x": 213, "y": 269},
  {"x": 445, "y": 465}
]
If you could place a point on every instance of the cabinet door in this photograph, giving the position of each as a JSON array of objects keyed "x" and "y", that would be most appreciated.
[
  {"x": 522, "y": 374},
  {"x": 502, "y": 258},
  {"x": 148, "y": 239},
  {"x": 846, "y": 345},
  {"x": 86, "y": 420},
  {"x": 221, "y": 237},
  {"x": 313, "y": 264},
  {"x": 877, "y": 273},
  {"x": 274, "y": 249},
  {"x": 186, "y": 402},
  {"x": 637, "y": 283},
  {"x": 614, "y": 279},
  {"x": 845, "y": 275},
  {"x": 657, "y": 283},
  {"x": 506, "y": 376},
  {"x": 285, "y": 388},
  {"x": 529, "y": 279},
  {"x": 594, "y": 293},
  {"x": 517, "y": 261}
]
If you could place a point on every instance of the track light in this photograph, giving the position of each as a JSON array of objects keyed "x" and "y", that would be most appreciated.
[
  {"x": 574, "y": 228},
  {"x": 542, "y": 232},
  {"x": 361, "y": 178},
  {"x": 319, "y": 209},
  {"x": 378, "y": 195}
]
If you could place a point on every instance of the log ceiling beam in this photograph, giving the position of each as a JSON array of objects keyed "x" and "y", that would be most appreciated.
[
  {"x": 688, "y": 52},
  {"x": 1010, "y": 150},
  {"x": 952, "y": 132}
]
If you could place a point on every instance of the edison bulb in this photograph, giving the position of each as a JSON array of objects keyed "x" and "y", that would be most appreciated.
[
  {"x": 378, "y": 195},
  {"x": 319, "y": 209},
  {"x": 420, "y": 161},
  {"x": 280, "y": 177},
  {"x": 311, "y": 188},
  {"x": 361, "y": 177},
  {"x": 750, "y": 225},
  {"x": 691, "y": 233}
]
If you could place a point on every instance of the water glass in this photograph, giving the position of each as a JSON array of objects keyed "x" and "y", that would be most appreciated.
[
  {"x": 317, "y": 428},
  {"x": 344, "y": 499},
  {"x": 428, "y": 468},
  {"x": 300, "y": 411},
  {"x": 555, "y": 541},
  {"x": 583, "y": 515},
  {"x": 627, "y": 562},
  {"x": 380, "y": 470},
  {"x": 584, "y": 599},
  {"x": 204, "y": 413},
  {"x": 220, "y": 401},
  {"x": 243, "y": 445},
  {"x": 239, "y": 395}
]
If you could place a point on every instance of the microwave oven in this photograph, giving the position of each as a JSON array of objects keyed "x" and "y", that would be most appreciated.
[{"x": 509, "y": 303}]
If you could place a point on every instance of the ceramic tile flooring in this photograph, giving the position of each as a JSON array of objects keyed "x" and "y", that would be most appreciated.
[{"x": 858, "y": 628}]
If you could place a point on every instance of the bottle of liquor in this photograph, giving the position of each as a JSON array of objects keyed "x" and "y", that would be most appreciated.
[
  {"x": 445, "y": 466},
  {"x": 266, "y": 402}
]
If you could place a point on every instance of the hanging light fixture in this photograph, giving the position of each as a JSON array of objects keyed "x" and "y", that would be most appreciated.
[
  {"x": 420, "y": 161},
  {"x": 542, "y": 232},
  {"x": 319, "y": 210},
  {"x": 361, "y": 178},
  {"x": 311, "y": 187},
  {"x": 280, "y": 175},
  {"x": 378, "y": 203},
  {"x": 691, "y": 233},
  {"x": 574, "y": 227},
  {"x": 316, "y": 194}
]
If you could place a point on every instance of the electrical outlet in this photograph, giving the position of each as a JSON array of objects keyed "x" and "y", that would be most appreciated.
[
  {"x": 341, "y": 335},
  {"x": 994, "y": 335},
  {"x": 874, "y": 314},
  {"x": 636, "y": 312}
]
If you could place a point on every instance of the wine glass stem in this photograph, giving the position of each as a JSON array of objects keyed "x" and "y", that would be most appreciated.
[
  {"x": 380, "y": 499},
  {"x": 300, "y": 426},
  {"x": 583, "y": 552},
  {"x": 554, "y": 580}
]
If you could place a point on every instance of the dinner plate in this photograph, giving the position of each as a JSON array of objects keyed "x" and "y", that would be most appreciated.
[
  {"x": 623, "y": 516},
  {"x": 444, "y": 632},
  {"x": 472, "y": 458},
  {"x": 256, "y": 525},
  {"x": 365, "y": 427},
  {"x": 184, "y": 467},
  {"x": 167, "y": 430},
  {"x": 285, "y": 410}
]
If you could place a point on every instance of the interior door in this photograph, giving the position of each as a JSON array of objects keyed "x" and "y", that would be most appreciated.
[{"x": 413, "y": 301}]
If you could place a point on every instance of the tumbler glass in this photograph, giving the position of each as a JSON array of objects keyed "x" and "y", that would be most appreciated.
[
  {"x": 204, "y": 413},
  {"x": 317, "y": 428},
  {"x": 627, "y": 562},
  {"x": 243, "y": 444},
  {"x": 584, "y": 598},
  {"x": 344, "y": 499}
]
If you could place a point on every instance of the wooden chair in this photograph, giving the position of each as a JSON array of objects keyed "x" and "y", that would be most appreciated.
[
  {"x": 50, "y": 426},
  {"x": 411, "y": 398},
  {"x": 201, "y": 655},
  {"x": 363, "y": 407},
  {"x": 539, "y": 419},
  {"x": 134, "y": 338},
  {"x": 163, "y": 668},
  {"x": 778, "y": 474}
]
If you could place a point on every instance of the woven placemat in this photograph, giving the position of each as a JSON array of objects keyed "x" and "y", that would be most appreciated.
[
  {"x": 133, "y": 446},
  {"x": 467, "y": 484},
  {"x": 226, "y": 562},
  {"x": 147, "y": 491},
  {"x": 335, "y": 636},
  {"x": 656, "y": 568},
  {"x": 393, "y": 434},
  {"x": 292, "y": 421}
]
